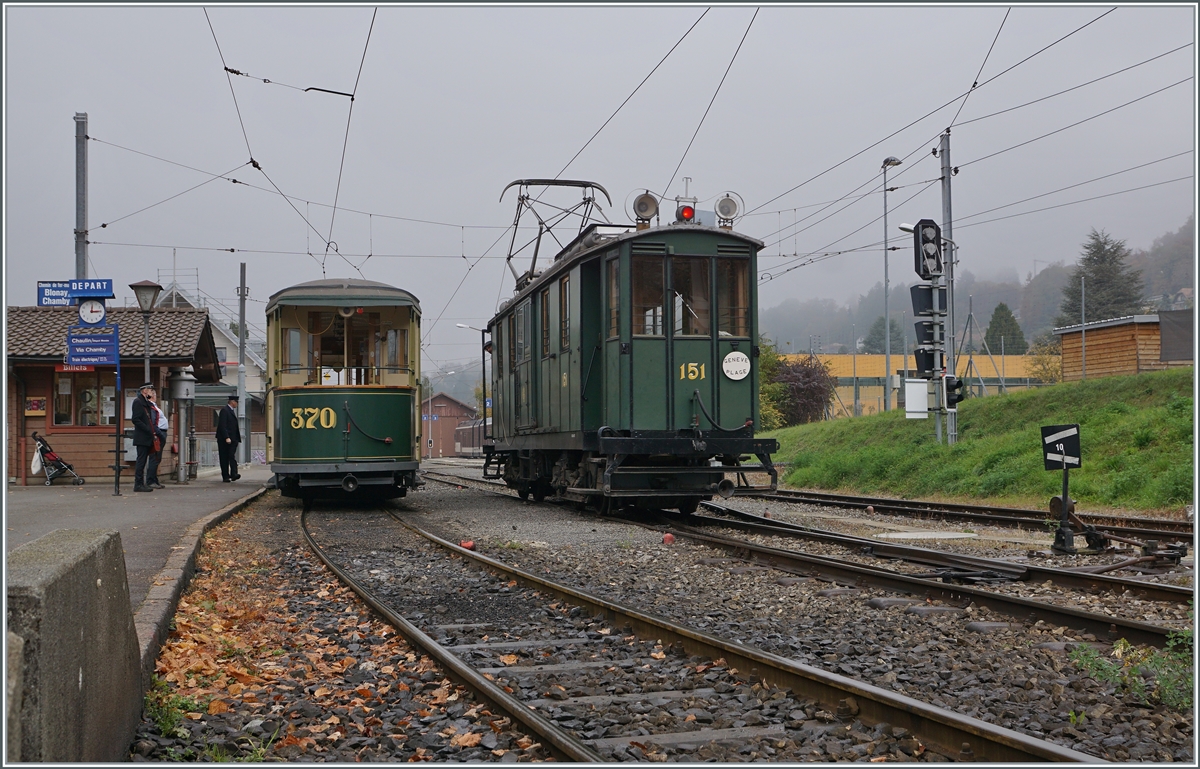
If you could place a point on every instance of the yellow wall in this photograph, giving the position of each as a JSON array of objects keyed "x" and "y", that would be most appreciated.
[{"x": 1012, "y": 366}]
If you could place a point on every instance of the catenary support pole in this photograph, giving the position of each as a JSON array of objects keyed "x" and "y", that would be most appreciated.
[
  {"x": 241, "y": 384},
  {"x": 81, "y": 201},
  {"x": 948, "y": 233},
  {"x": 1082, "y": 331}
]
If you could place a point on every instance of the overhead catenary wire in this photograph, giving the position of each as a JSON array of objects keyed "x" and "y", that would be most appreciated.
[
  {"x": 631, "y": 95},
  {"x": 1075, "y": 124},
  {"x": 166, "y": 200},
  {"x": 346, "y": 142},
  {"x": 923, "y": 117},
  {"x": 710, "y": 103},
  {"x": 817, "y": 256},
  {"x": 1072, "y": 88},
  {"x": 302, "y": 200},
  {"x": 988, "y": 55}
]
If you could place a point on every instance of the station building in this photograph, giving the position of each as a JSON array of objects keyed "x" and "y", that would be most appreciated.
[{"x": 77, "y": 408}]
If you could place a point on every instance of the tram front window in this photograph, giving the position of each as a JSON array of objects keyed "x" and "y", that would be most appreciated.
[
  {"x": 647, "y": 286},
  {"x": 690, "y": 290}
]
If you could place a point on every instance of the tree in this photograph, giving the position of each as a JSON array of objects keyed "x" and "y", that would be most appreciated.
[
  {"x": 1003, "y": 324},
  {"x": 771, "y": 393},
  {"x": 809, "y": 387},
  {"x": 1046, "y": 359},
  {"x": 873, "y": 341},
  {"x": 1112, "y": 288}
]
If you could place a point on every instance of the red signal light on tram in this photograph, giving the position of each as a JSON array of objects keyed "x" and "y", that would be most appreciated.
[{"x": 685, "y": 214}]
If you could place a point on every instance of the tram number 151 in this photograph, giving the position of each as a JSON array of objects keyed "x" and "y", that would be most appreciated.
[
  {"x": 691, "y": 371},
  {"x": 310, "y": 417}
]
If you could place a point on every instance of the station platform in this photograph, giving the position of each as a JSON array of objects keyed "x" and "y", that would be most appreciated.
[{"x": 151, "y": 525}]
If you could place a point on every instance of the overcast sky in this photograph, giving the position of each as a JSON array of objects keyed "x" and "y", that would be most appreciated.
[{"x": 453, "y": 103}]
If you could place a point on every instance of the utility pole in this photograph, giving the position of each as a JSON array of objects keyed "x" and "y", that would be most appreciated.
[
  {"x": 948, "y": 232},
  {"x": 81, "y": 166},
  {"x": 241, "y": 385},
  {"x": 1082, "y": 331}
]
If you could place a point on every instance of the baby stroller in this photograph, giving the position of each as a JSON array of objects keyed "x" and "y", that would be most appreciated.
[{"x": 51, "y": 463}]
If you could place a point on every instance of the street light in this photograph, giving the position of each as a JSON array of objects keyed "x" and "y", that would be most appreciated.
[
  {"x": 482, "y": 375},
  {"x": 429, "y": 412},
  {"x": 887, "y": 323},
  {"x": 146, "y": 292}
]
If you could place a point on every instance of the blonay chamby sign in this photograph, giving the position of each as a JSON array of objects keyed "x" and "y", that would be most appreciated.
[{"x": 63, "y": 293}]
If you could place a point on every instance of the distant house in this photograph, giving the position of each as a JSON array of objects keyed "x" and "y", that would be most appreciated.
[
  {"x": 1128, "y": 345},
  {"x": 440, "y": 416}
]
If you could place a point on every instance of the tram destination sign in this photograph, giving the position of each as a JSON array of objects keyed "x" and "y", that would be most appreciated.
[{"x": 1060, "y": 447}]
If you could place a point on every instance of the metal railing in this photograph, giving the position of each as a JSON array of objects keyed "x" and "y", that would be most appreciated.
[
  {"x": 207, "y": 456},
  {"x": 345, "y": 375}
]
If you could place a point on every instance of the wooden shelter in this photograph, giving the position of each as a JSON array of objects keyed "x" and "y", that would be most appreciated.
[{"x": 1128, "y": 345}]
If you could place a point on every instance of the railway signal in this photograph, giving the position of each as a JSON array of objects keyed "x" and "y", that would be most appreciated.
[
  {"x": 927, "y": 241},
  {"x": 954, "y": 391}
]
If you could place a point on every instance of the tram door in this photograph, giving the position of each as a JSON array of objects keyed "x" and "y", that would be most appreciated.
[{"x": 523, "y": 319}]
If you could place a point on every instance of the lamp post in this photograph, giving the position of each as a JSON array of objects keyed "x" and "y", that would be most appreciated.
[
  {"x": 483, "y": 351},
  {"x": 429, "y": 413},
  {"x": 146, "y": 292},
  {"x": 887, "y": 323}
]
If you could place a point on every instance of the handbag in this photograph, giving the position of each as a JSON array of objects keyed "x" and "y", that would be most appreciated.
[{"x": 157, "y": 445}]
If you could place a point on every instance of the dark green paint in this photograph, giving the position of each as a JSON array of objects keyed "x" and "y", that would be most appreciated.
[{"x": 377, "y": 413}]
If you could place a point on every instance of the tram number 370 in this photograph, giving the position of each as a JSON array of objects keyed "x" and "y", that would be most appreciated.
[
  {"x": 691, "y": 371},
  {"x": 309, "y": 418}
]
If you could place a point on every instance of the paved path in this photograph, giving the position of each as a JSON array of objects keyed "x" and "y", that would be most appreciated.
[{"x": 151, "y": 525}]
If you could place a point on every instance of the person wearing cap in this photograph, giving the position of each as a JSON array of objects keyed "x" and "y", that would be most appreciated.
[
  {"x": 143, "y": 435},
  {"x": 229, "y": 435}
]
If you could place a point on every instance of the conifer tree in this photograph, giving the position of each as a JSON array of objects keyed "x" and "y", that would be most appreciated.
[
  {"x": 1112, "y": 289},
  {"x": 1003, "y": 324}
]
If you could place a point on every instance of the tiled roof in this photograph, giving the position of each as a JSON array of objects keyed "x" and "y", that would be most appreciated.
[{"x": 175, "y": 334}]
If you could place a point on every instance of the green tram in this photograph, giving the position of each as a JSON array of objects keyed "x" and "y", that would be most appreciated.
[
  {"x": 343, "y": 397},
  {"x": 626, "y": 372}
]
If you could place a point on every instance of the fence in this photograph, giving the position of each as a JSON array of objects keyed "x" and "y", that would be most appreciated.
[{"x": 207, "y": 456}]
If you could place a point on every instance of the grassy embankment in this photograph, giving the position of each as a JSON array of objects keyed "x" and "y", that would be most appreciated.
[{"x": 1136, "y": 434}]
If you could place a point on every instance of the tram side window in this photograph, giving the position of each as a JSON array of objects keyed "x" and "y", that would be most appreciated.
[
  {"x": 545, "y": 323},
  {"x": 614, "y": 297},
  {"x": 692, "y": 297},
  {"x": 512, "y": 342},
  {"x": 292, "y": 361},
  {"x": 564, "y": 313},
  {"x": 733, "y": 297},
  {"x": 647, "y": 284},
  {"x": 524, "y": 317},
  {"x": 397, "y": 349}
]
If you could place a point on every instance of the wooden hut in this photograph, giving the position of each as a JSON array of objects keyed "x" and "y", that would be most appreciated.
[{"x": 1128, "y": 345}]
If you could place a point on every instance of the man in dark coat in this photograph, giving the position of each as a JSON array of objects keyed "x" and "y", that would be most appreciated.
[
  {"x": 144, "y": 423},
  {"x": 229, "y": 435}
]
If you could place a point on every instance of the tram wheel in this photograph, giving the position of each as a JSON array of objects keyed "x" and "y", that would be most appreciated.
[
  {"x": 523, "y": 493},
  {"x": 539, "y": 493},
  {"x": 689, "y": 507}
]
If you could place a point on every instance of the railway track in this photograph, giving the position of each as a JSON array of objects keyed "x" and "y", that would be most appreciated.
[
  {"x": 1153, "y": 528},
  {"x": 569, "y": 653},
  {"x": 955, "y": 567},
  {"x": 855, "y": 577}
]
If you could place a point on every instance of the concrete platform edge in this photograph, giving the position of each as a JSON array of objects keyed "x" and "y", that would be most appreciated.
[{"x": 154, "y": 615}]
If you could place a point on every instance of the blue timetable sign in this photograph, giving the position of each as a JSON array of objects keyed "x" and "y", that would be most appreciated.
[
  {"x": 91, "y": 289},
  {"x": 91, "y": 349},
  {"x": 53, "y": 293}
]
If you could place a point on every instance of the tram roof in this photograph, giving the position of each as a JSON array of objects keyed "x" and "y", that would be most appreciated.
[{"x": 341, "y": 292}]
